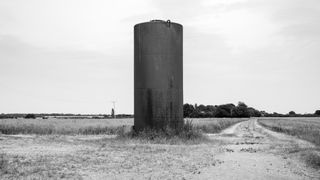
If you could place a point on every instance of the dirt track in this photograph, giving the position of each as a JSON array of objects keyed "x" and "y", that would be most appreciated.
[
  {"x": 253, "y": 152},
  {"x": 244, "y": 151}
]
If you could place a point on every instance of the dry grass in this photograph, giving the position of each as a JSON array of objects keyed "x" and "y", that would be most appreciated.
[
  {"x": 303, "y": 128},
  {"x": 187, "y": 134},
  {"x": 215, "y": 125},
  {"x": 63, "y": 126},
  {"x": 97, "y": 126},
  {"x": 71, "y": 157},
  {"x": 42, "y": 167}
]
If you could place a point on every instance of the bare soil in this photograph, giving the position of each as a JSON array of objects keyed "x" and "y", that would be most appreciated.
[{"x": 243, "y": 151}]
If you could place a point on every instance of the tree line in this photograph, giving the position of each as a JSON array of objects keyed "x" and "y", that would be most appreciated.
[
  {"x": 224, "y": 110},
  {"x": 241, "y": 110}
]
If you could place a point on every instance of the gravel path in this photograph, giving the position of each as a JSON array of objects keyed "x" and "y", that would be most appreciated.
[{"x": 253, "y": 152}]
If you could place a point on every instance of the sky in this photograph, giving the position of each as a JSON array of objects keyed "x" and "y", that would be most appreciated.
[{"x": 76, "y": 56}]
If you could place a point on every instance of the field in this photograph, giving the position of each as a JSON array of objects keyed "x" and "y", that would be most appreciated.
[
  {"x": 63, "y": 126},
  {"x": 92, "y": 149},
  {"x": 96, "y": 126},
  {"x": 304, "y": 128}
]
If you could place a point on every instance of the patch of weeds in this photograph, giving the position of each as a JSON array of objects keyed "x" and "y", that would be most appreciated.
[{"x": 188, "y": 133}]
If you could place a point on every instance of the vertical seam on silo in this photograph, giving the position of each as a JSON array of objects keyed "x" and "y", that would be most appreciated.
[{"x": 140, "y": 45}]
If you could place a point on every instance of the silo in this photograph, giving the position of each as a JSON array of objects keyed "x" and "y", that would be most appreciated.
[{"x": 158, "y": 81}]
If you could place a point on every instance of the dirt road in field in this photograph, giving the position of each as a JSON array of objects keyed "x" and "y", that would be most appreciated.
[
  {"x": 253, "y": 152},
  {"x": 243, "y": 151}
]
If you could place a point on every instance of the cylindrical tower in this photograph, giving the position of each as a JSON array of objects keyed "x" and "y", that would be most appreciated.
[{"x": 158, "y": 81}]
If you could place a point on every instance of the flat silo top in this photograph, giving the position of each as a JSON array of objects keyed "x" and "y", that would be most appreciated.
[{"x": 159, "y": 21}]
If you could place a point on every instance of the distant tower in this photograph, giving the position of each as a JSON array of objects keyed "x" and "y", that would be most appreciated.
[
  {"x": 112, "y": 113},
  {"x": 113, "y": 110},
  {"x": 158, "y": 71}
]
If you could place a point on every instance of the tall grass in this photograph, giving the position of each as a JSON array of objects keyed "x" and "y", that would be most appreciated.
[
  {"x": 63, "y": 126},
  {"x": 97, "y": 126},
  {"x": 188, "y": 133},
  {"x": 215, "y": 125},
  {"x": 192, "y": 131}
]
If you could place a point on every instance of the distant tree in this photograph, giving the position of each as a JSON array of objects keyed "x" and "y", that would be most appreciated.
[
  {"x": 241, "y": 110},
  {"x": 211, "y": 111},
  {"x": 188, "y": 110},
  {"x": 201, "y": 111},
  {"x": 30, "y": 116},
  {"x": 292, "y": 113},
  {"x": 317, "y": 112},
  {"x": 202, "y": 107},
  {"x": 275, "y": 114},
  {"x": 263, "y": 113},
  {"x": 242, "y": 104},
  {"x": 211, "y": 108},
  {"x": 112, "y": 113},
  {"x": 225, "y": 110},
  {"x": 222, "y": 113},
  {"x": 257, "y": 113},
  {"x": 254, "y": 113}
]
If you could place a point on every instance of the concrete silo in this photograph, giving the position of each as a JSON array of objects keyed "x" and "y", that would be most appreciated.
[{"x": 158, "y": 71}]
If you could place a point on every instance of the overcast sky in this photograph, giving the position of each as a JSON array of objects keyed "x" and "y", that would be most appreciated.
[{"x": 76, "y": 56}]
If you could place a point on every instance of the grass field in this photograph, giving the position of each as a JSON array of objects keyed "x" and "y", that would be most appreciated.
[
  {"x": 96, "y": 126},
  {"x": 214, "y": 125},
  {"x": 61, "y": 150},
  {"x": 63, "y": 126},
  {"x": 54, "y": 154},
  {"x": 303, "y": 128}
]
